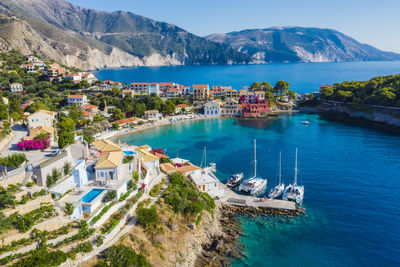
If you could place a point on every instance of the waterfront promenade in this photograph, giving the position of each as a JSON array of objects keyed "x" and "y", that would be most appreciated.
[{"x": 233, "y": 199}]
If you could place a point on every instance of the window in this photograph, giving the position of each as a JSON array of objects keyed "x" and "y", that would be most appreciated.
[{"x": 101, "y": 174}]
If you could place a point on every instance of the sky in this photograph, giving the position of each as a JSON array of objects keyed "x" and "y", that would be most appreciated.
[{"x": 375, "y": 22}]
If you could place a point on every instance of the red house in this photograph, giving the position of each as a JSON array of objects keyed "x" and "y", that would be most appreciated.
[{"x": 255, "y": 110}]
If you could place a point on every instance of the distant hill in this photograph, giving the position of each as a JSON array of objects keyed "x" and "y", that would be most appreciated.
[
  {"x": 299, "y": 44},
  {"x": 91, "y": 39}
]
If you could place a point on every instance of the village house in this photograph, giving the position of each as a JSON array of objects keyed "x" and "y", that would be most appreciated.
[
  {"x": 146, "y": 88},
  {"x": 231, "y": 108},
  {"x": 151, "y": 164},
  {"x": 185, "y": 168},
  {"x": 29, "y": 68},
  {"x": 255, "y": 110},
  {"x": 201, "y": 91},
  {"x": 89, "y": 77},
  {"x": 16, "y": 88},
  {"x": 231, "y": 93},
  {"x": 39, "y": 64},
  {"x": 125, "y": 123},
  {"x": 53, "y": 71},
  {"x": 164, "y": 87},
  {"x": 128, "y": 92},
  {"x": 212, "y": 108},
  {"x": 173, "y": 93},
  {"x": 80, "y": 100},
  {"x": 206, "y": 182},
  {"x": 41, "y": 118},
  {"x": 185, "y": 91},
  {"x": 184, "y": 108},
  {"x": 92, "y": 109},
  {"x": 152, "y": 115},
  {"x": 32, "y": 58},
  {"x": 74, "y": 78}
]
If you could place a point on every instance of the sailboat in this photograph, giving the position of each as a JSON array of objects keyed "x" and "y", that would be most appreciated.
[
  {"x": 277, "y": 191},
  {"x": 254, "y": 185},
  {"x": 294, "y": 191},
  {"x": 212, "y": 167},
  {"x": 235, "y": 179}
]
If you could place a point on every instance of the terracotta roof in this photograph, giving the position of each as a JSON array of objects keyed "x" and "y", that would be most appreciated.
[
  {"x": 109, "y": 160},
  {"x": 75, "y": 96},
  {"x": 167, "y": 167},
  {"x": 182, "y": 106},
  {"x": 200, "y": 86},
  {"x": 126, "y": 120},
  {"x": 15, "y": 84},
  {"x": 326, "y": 86},
  {"x": 86, "y": 113},
  {"x": 105, "y": 145},
  {"x": 187, "y": 167},
  {"x": 144, "y": 83},
  {"x": 151, "y": 111},
  {"x": 89, "y": 106},
  {"x": 51, "y": 113},
  {"x": 173, "y": 90},
  {"x": 159, "y": 155}
]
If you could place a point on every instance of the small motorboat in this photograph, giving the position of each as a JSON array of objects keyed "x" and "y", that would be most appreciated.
[
  {"x": 305, "y": 122},
  {"x": 235, "y": 179},
  {"x": 165, "y": 133}
]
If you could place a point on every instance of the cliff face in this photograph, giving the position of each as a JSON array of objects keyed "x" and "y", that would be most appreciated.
[
  {"x": 299, "y": 44},
  {"x": 386, "y": 115},
  {"x": 58, "y": 30}
]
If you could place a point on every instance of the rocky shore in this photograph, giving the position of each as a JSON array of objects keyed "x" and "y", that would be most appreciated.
[{"x": 222, "y": 247}]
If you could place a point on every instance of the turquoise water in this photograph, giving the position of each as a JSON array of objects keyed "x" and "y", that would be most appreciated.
[
  {"x": 92, "y": 194},
  {"x": 303, "y": 77},
  {"x": 350, "y": 172}
]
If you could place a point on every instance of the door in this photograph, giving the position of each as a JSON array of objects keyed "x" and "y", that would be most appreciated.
[{"x": 204, "y": 188}]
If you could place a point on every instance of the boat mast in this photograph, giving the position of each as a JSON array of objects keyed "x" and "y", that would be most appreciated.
[
  {"x": 255, "y": 158},
  {"x": 295, "y": 170},
  {"x": 204, "y": 157},
  {"x": 280, "y": 167}
]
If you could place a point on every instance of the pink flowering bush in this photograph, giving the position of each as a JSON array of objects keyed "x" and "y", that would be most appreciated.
[
  {"x": 34, "y": 144},
  {"x": 159, "y": 151}
]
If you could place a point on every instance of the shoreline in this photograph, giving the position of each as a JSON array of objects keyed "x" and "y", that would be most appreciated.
[{"x": 167, "y": 121}]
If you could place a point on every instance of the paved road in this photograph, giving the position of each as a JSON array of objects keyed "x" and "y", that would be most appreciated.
[{"x": 34, "y": 157}]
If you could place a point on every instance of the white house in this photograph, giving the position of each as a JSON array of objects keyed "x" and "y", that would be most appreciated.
[
  {"x": 74, "y": 78},
  {"x": 77, "y": 99},
  {"x": 89, "y": 77},
  {"x": 146, "y": 88},
  {"x": 41, "y": 118},
  {"x": 16, "y": 88},
  {"x": 152, "y": 115},
  {"x": 29, "y": 68},
  {"x": 212, "y": 108},
  {"x": 182, "y": 108},
  {"x": 108, "y": 167},
  {"x": 206, "y": 182}
]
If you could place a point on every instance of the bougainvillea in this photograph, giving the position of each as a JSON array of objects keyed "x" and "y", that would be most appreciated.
[
  {"x": 34, "y": 144},
  {"x": 159, "y": 151}
]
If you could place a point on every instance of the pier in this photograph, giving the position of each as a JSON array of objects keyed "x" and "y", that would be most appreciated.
[{"x": 231, "y": 198}]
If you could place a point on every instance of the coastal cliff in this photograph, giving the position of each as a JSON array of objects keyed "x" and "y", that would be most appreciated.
[{"x": 386, "y": 115}]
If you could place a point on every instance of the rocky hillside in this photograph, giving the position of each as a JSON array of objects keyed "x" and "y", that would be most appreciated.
[
  {"x": 91, "y": 39},
  {"x": 298, "y": 44}
]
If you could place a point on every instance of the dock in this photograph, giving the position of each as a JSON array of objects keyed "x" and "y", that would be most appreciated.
[{"x": 231, "y": 198}]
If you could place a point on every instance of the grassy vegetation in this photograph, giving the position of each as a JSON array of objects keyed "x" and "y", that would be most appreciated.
[
  {"x": 101, "y": 213},
  {"x": 14, "y": 160},
  {"x": 120, "y": 255},
  {"x": 183, "y": 197}
]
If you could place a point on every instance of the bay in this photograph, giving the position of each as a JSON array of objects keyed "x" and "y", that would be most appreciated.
[
  {"x": 350, "y": 170},
  {"x": 303, "y": 77}
]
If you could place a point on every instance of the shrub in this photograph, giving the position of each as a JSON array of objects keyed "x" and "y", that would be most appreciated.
[
  {"x": 124, "y": 196},
  {"x": 155, "y": 190},
  {"x": 120, "y": 255},
  {"x": 131, "y": 185},
  {"x": 53, "y": 177},
  {"x": 14, "y": 160},
  {"x": 67, "y": 168},
  {"x": 42, "y": 257},
  {"x": 99, "y": 240},
  {"x": 7, "y": 199},
  {"x": 135, "y": 176},
  {"x": 128, "y": 159},
  {"x": 110, "y": 196},
  {"x": 34, "y": 144},
  {"x": 69, "y": 208},
  {"x": 102, "y": 212},
  {"x": 84, "y": 247},
  {"x": 30, "y": 184},
  {"x": 148, "y": 218}
]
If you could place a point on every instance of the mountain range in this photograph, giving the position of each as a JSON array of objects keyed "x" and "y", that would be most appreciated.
[
  {"x": 91, "y": 39},
  {"x": 299, "y": 44}
]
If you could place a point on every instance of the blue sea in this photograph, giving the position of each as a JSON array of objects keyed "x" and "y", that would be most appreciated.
[
  {"x": 350, "y": 171},
  {"x": 303, "y": 77}
]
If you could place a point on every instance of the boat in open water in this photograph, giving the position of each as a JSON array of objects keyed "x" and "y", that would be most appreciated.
[
  {"x": 277, "y": 191},
  {"x": 235, "y": 179},
  {"x": 254, "y": 185},
  {"x": 294, "y": 192}
]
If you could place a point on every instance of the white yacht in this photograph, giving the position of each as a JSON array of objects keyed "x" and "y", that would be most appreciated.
[
  {"x": 277, "y": 191},
  {"x": 235, "y": 179},
  {"x": 254, "y": 185},
  {"x": 294, "y": 191},
  {"x": 305, "y": 122}
]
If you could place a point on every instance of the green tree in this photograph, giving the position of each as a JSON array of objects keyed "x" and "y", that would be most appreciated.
[
  {"x": 281, "y": 87},
  {"x": 75, "y": 113},
  {"x": 117, "y": 114},
  {"x": 140, "y": 108},
  {"x": 168, "y": 108}
]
